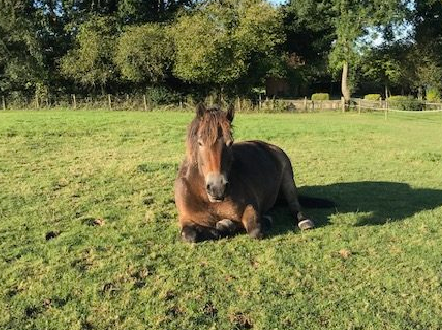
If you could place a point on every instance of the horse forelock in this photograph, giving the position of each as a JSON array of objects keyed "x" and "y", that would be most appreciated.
[{"x": 212, "y": 125}]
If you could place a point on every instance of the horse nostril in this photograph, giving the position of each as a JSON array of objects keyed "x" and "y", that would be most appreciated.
[{"x": 207, "y": 186}]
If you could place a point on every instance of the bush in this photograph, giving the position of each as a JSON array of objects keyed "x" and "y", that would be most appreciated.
[
  {"x": 320, "y": 97},
  {"x": 372, "y": 97},
  {"x": 404, "y": 103},
  {"x": 433, "y": 95},
  {"x": 159, "y": 95}
]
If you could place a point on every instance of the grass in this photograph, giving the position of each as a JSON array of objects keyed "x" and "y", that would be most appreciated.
[{"x": 88, "y": 236}]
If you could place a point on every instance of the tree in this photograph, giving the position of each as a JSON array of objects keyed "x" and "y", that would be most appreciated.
[
  {"x": 144, "y": 53},
  {"x": 21, "y": 53},
  {"x": 426, "y": 53},
  {"x": 380, "y": 65},
  {"x": 91, "y": 62},
  {"x": 353, "y": 20},
  {"x": 142, "y": 11},
  {"x": 310, "y": 31},
  {"x": 215, "y": 43}
]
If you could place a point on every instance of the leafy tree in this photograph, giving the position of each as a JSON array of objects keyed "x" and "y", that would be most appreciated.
[
  {"x": 21, "y": 54},
  {"x": 216, "y": 42},
  {"x": 91, "y": 62},
  {"x": 144, "y": 53},
  {"x": 309, "y": 29},
  {"x": 353, "y": 20},
  {"x": 428, "y": 72},
  {"x": 382, "y": 67},
  {"x": 426, "y": 53},
  {"x": 142, "y": 11}
]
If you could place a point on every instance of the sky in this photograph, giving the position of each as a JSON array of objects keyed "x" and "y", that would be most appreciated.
[{"x": 277, "y": 2}]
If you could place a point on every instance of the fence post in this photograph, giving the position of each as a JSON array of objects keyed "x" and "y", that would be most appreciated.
[
  {"x": 3, "y": 102},
  {"x": 74, "y": 101},
  {"x": 144, "y": 102},
  {"x": 260, "y": 102},
  {"x": 109, "y": 101},
  {"x": 305, "y": 104},
  {"x": 238, "y": 104},
  {"x": 37, "y": 104}
]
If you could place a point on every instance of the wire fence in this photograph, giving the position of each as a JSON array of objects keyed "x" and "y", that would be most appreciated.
[{"x": 419, "y": 107}]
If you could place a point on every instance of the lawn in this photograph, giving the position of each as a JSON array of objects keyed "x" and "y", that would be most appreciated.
[{"x": 89, "y": 239}]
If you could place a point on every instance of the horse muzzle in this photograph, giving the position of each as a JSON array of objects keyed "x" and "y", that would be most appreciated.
[{"x": 216, "y": 187}]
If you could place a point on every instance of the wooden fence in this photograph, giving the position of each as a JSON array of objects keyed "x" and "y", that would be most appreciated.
[{"x": 141, "y": 103}]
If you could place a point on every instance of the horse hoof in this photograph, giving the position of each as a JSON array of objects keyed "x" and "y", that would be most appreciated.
[
  {"x": 225, "y": 226},
  {"x": 306, "y": 224},
  {"x": 256, "y": 234},
  {"x": 189, "y": 235}
]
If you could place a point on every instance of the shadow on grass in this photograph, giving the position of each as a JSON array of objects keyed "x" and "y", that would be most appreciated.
[{"x": 382, "y": 202}]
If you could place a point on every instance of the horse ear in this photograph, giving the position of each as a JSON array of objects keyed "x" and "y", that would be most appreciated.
[
  {"x": 230, "y": 112},
  {"x": 200, "y": 109}
]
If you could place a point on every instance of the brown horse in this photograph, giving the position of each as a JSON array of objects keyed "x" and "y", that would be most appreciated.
[{"x": 224, "y": 187}]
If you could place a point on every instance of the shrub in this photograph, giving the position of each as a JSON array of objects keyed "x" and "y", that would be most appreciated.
[
  {"x": 433, "y": 95},
  {"x": 161, "y": 95},
  {"x": 320, "y": 97},
  {"x": 405, "y": 103},
  {"x": 372, "y": 97}
]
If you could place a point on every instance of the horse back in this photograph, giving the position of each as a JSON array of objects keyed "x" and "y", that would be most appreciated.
[{"x": 259, "y": 166}]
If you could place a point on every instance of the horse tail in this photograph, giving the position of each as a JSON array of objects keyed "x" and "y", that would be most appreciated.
[{"x": 316, "y": 203}]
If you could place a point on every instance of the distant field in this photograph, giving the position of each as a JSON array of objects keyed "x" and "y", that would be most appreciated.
[{"x": 88, "y": 236}]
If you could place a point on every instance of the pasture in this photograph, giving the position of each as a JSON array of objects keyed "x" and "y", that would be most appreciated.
[{"x": 89, "y": 239}]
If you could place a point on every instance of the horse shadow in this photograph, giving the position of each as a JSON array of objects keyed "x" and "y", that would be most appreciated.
[{"x": 375, "y": 202}]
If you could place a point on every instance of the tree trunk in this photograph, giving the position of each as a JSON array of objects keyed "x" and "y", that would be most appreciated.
[
  {"x": 386, "y": 91},
  {"x": 344, "y": 84}
]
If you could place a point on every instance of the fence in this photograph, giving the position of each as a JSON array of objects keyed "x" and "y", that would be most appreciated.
[
  {"x": 421, "y": 107},
  {"x": 142, "y": 103}
]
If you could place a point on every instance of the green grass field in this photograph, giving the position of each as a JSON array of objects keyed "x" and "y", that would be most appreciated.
[{"x": 89, "y": 240}]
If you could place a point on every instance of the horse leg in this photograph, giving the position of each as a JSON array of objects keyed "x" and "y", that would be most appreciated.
[
  {"x": 193, "y": 233},
  {"x": 290, "y": 192},
  {"x": 227, "y": 227},
  {"x": 252, "y": 223},
  {"x": 195, "y": 223}
]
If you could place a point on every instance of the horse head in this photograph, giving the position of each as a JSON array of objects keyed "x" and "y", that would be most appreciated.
[{"x": 209, "y": 143}]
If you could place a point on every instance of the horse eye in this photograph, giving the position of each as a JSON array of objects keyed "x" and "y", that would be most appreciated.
[{"x": 200, "y": 142}]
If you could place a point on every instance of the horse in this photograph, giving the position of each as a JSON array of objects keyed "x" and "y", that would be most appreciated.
[{"x": 224, "y": 187}]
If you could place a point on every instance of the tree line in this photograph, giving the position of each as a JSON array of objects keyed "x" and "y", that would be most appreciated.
[{"x": 171, "y": 48}]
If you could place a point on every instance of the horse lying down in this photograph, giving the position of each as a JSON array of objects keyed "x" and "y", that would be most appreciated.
[{"x": 224, "y": 187}]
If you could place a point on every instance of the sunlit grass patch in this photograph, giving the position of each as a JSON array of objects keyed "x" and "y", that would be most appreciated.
[{"x": 89, "y": 240}]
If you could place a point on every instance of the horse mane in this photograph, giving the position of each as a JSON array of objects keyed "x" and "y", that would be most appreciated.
[{"x": 208, "y": 127}]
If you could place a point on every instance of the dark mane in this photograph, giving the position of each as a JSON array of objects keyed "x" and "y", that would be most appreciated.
[{"x": 208, "y": 127}]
